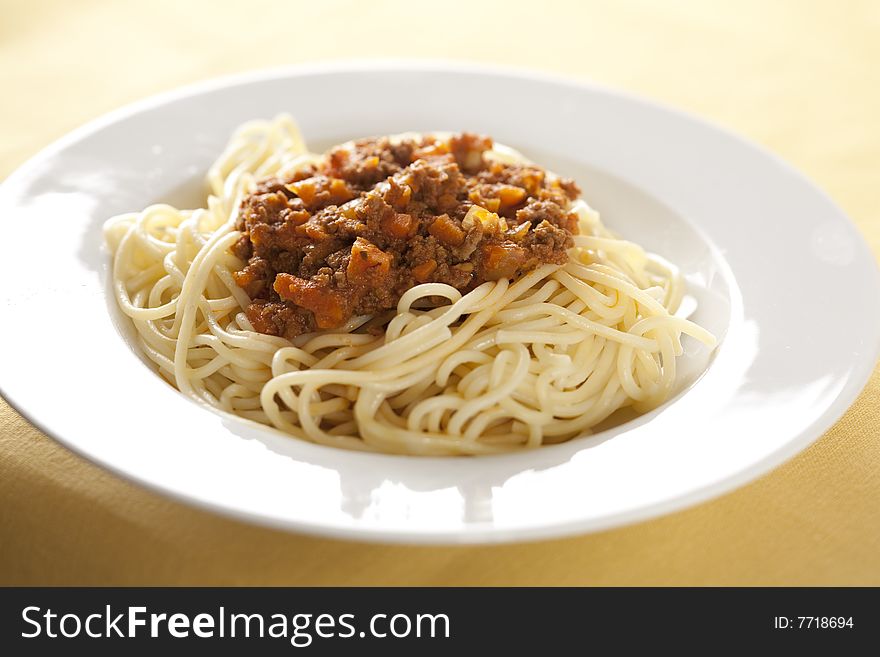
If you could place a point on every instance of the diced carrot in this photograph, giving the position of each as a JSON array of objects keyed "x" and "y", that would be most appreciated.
[
  {"x": 533, "y": 181},
  {"x": 510, "y": 196},
  {"x": 340, "y": 192},
  {"x": 327, "y": 305},
  {"x": 368, "y": 263},
  {"x": 446, "y": 230},
  {"x": 398, "y": 194},
  {"x": 313, "y": 231},
  {"x": 397, "y": 225},
  {"x": 491, "y": 204},
  {"x": 423, "y": 271},
  {"x": 244, "y": 277},
  {"x": 349, "y": 211},
  {"x": 321, "y": 190},
  {"x": 502, "y": 260},
  {"x": 430, "y": 150},
  {"x": 305, "y": 190},
  {"x": 298, "y": 217}
]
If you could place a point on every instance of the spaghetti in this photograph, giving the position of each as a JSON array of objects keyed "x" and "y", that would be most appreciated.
[{"x": 511, "y": 364}]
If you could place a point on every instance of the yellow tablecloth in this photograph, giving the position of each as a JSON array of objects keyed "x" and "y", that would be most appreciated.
[{"x": 799, "y": 77}]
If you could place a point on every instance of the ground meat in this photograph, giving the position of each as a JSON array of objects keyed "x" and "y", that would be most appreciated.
[{"x": 378, "y": 216}]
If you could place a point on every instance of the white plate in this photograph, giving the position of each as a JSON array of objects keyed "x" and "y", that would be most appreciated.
[{"x": 779, "y": 272}]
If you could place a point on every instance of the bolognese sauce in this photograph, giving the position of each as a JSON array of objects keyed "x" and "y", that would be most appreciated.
[{"x": 375, "y": 217}]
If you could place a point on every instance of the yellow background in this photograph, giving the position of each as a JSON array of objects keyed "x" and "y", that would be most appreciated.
[{"x": 798, "y": 77}]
